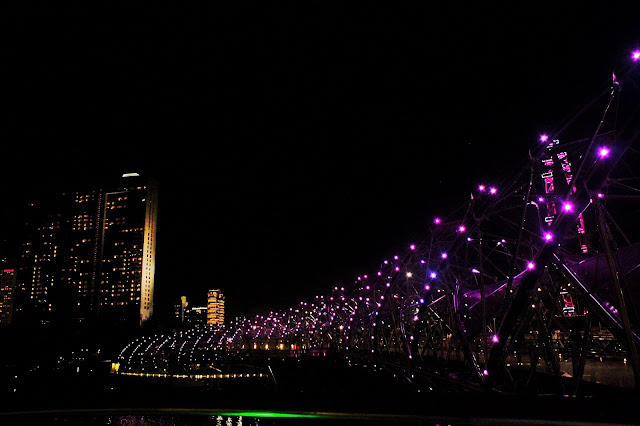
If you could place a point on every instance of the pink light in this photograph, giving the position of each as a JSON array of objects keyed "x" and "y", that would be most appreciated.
[
  {"x": 485, "y": 372},
  {"x": 600, "y": 195},
  {"x": 530, "y": 265},
  {"x": 493, "y": 190},
  {"x": 481, "y": 188},
  {"x": 443, "y": 255},
  {"x": 604, "y": 152},
  {"x": 494, "y": 339},
  {"x": 635, "y": 55},
  {"x": 544, "y": 138},
  {"x": 437, "y": 221},
  {"x": 567, "y": 207},
  {"x": 548, "y": 236},
  {"x": 427, "y": 287},
  {"x": 412, "y": 247},
  {"x": 462, "y": 228},
  {"x": 541, "y": 199}
]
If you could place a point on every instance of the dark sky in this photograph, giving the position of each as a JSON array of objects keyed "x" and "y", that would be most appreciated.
[{"x": 295, "y": 146}]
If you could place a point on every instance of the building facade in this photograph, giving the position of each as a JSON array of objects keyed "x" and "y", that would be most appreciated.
[
  {"x": 127, "y": 265},
  {"x": 7, "y": 286},
  {"x": 215, "y": 307},
  {"x": 90, "y": 253}
]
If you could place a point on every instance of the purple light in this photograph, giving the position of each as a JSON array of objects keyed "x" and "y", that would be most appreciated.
[
  {"x": 462, "y": 228},
  {"x": 412, "y": 246},
  {"x": 481, "y": 188},
  {"x": 443, "y": 255},
  {"x": 604, "y": 152},
  {"x": 541, "y": 199},
  {"x": 427, "y": 287},
  {"x": 493, "y": 190},
  {"x": 635, "y": 55},
  {"x": 548, "y": 236},
  {"x": 485, "y": 372},
  {"x": 530, "y": 265},
  {"x": 600, "y": 195},
  {"x": 494, "y": 339},
  {"x": 437, "y": 221},
  {"x": 433, "y": 275},
  {"x": 544, "y": 138},
  {"x": 567, "y": 207}
]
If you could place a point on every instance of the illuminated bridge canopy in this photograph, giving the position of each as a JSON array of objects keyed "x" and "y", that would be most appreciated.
[{"x": 528, "y": 264}]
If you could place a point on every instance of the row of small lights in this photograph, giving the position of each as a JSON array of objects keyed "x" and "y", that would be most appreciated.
[{"x": 196, "y": 376}]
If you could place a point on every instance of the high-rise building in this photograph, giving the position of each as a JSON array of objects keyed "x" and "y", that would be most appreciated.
[
  {"x": 215, "y": 307},
  {"x": 7, "y": 285},
  {"x": 129, "y": 248},
  {"x": 197, "y": 315},
  {"x": 90, "y": 253},
  {"x": 180, "y": 309},
  {"x": 41, "y": 262}
]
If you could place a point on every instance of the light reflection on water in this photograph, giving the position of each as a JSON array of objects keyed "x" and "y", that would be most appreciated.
[
  {"x": 608, "y": 372},
  {"x": 263, "y": 419}
]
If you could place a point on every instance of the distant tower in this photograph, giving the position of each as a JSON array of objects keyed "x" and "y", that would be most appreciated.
[
  {"x": 181, "y": 309},
  {"x": 127, "y": 268},
  {"x": 39, "y": 287},
  {"x": 215, "y": 307},
  {"x": 83, "y": 218},
  {"x": 7, "y": 286}
]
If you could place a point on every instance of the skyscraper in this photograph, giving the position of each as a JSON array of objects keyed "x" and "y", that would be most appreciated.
[
  {"x": 7, "y": 284},
  {"x": 90, "y": 253},
  {"x": 127, "y": 265},
  {"x": 215, "y": 307}
]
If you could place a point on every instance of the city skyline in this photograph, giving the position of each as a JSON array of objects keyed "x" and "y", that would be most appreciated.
[{"x": 89, "y": 253}]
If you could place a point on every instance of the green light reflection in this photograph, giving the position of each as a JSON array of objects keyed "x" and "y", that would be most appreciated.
[{"x": 274, "y": 414}]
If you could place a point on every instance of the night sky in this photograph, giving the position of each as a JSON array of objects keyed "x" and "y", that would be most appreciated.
[{"x": 295, "y": 146}]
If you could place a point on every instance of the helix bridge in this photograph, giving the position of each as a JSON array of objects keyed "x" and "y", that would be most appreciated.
[{"x": 536, "y": 265}]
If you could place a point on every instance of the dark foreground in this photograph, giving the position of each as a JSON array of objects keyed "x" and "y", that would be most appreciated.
[{"x": 314, "y": 391}]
